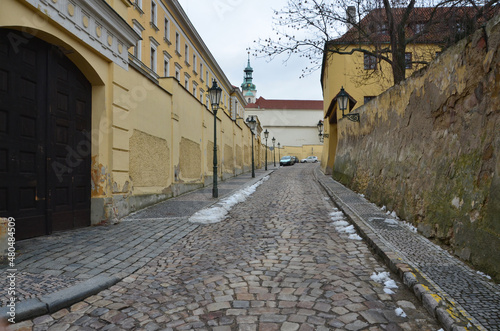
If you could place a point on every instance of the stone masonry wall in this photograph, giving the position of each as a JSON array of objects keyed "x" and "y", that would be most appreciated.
[{"x": 429, "y": 149}]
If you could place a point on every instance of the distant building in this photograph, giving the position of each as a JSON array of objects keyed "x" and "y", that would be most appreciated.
[{"x": 292, "y": 122}]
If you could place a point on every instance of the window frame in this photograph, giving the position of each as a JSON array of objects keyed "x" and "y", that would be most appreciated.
[
  {"x": 154, "y": 15},
  {"x": 408, "y": 60},
  {"x": 369, "y": 62}
]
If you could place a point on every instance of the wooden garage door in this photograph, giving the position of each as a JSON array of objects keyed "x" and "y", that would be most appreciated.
[{"x": 45, "y": 107}]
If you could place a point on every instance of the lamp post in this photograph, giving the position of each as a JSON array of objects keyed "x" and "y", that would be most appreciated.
[
  {"x": 279, "y": 152},
  {"x": 252, "y": 123},
  {"x": 215, "y": 93},
  {"x": 342, "y": 99},
  {"x": 266, "y": 135},
  {"x": 274, "y": 150}
]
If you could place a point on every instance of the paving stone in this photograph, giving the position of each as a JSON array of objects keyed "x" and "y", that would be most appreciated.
[{"x": 274, "y": 263}]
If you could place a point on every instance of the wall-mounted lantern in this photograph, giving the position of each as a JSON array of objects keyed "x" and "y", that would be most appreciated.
[{"x": 342, "y": 100}]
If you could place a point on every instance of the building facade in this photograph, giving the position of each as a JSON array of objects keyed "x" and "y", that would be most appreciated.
[
  {"x": 293, "y": 123},
  {"x": 363, "y": 76},
  {"x": 104, "y": 110}
]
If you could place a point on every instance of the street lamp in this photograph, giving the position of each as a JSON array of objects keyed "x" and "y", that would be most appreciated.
[
  {"x": 253, "y": 124},
  {"x": 279, "y": 154},
  {"x": 266, "y": 135},
  {"x": 274, "y": 150},
  {"x": 215, "y": 93},
  {"x": 320, "y": 129},
  {"x": 342, "y": 99}
]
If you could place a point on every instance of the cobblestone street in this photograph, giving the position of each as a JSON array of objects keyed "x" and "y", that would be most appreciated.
[{"x": 275, "y": 263}]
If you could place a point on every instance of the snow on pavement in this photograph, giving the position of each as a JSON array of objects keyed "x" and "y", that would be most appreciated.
[{"x": 218, "y": 211}]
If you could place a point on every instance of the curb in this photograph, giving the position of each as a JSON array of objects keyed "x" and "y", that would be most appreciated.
[
  {"x": 440, "y": 308},
  {"x": 51, "y": 303}
]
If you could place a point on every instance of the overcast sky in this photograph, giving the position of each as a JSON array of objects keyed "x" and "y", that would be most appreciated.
[{"x": 229, "y": 27}]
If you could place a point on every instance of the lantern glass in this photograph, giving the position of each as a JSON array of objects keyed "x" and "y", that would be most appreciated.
[
  {"x": 266, "y": 134},
  {"x": 215, "y": 93},
  {"x": 320, "y": 126},
  {"x": 252, "y": 123},
  {"x": 342, "y": 99}
]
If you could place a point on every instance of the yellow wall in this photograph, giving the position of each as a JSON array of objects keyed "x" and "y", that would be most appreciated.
[
  {"x": 348, "y": 71},
  {"x": 151, "y": 138},
  {"x": 301, "y": 152}
]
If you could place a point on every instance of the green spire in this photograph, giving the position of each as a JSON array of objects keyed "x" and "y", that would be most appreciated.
[{"x": 248, "y": 85}]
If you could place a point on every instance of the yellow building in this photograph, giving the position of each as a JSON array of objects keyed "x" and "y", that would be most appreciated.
[
  {"x": 104, "y": 110},
  {"x": 364, "y": 77}
]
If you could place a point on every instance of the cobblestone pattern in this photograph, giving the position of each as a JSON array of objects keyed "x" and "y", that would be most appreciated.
[
  {"x": 452, "y": 278},
  {"x": 275, "y": 263},
  {"x": 51, "y": 263}
]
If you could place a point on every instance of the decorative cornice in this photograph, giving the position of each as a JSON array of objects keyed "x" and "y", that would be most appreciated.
[{"x": 95, "y": 23}]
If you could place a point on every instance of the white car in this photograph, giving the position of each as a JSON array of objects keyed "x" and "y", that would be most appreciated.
[{"x": 309, "y": 159}]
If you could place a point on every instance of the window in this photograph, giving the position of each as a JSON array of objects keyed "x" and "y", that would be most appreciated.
[
  {"x": 201, "y": 72},
  {"x": 178, "y": 71},
  {"x": 153, "y": 58},
  {"x": 166, "y": 64},
  {"x": 201, "y": 95},
  {"x": 138, "y": 47},
  {"x": 419, "y": 27},
  {"x": 138, "y": 3},
  {"x": 153, "y": 54},
  {"x": 177, "y": 43},
  {"x": 153, "y": 15},
  {"x": 408, "y": 61},
  {"x": 194, "y": 63},
  {"x": 382, "y": 28},
  {"x": 186, "y": 81},
  {"x": 207, "y": 77},
  {"x": 186, "y": 53},
  {"x": 166, "y": 30},
  {"x": 194, "y": 89},
  {"x": 370, "y": 62},
  {"x": 367, "y": 98}
]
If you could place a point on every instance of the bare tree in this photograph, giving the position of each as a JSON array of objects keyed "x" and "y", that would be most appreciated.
[{"x": 381, "y": 29}]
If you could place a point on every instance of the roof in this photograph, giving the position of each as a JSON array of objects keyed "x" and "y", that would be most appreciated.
[
  {"x": 447, "y": 21},
  {"x": 286, "y": 104}
]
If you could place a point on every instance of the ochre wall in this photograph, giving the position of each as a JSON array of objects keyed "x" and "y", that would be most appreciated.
[{"x": 429, "y": 149}]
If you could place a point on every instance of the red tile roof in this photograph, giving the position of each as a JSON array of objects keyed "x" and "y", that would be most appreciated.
[{"x": 286, "y": 104}]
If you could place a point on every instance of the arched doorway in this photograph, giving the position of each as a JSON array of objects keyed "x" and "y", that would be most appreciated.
[{"x": 45, "y": 121}]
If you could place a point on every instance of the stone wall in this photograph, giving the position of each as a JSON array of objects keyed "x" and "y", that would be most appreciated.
[{"x": 429, "y": 149}]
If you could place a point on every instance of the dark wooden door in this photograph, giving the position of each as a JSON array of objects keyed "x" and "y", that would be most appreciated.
[
  {"x": 69, "y": 144},
  {"x": 37, "y": 82}
]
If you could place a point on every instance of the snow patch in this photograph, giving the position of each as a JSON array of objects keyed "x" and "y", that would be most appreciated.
[
  {"x": 400, "y": 312},
  {"x": 354, "y": 236},
  {"x": 347, "y": 229},
  {"x": 483, "y": 274},
  {"x": 384, "y": 278},
  {"x": 391, "y": 221},
  {"x": 218, "y": 212},
  {"x": 340, "y": 223}
]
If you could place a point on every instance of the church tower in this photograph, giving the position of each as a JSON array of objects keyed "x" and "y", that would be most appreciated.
[{"x": 248, "y": 87}]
